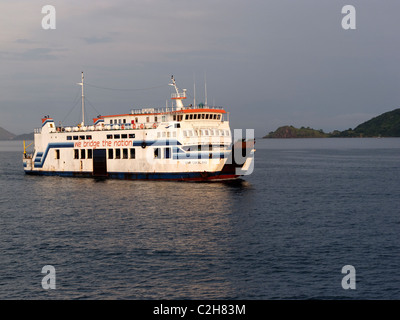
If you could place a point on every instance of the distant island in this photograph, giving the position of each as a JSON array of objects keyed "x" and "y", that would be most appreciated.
[{"x": 384, "y": 125}]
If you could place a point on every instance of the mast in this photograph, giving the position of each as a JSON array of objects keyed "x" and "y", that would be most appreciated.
[
  {"x": 178, "y": 96},
  {"x": 83, "y": 102}
]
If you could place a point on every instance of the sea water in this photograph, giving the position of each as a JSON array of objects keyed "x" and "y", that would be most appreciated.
[{"x": 311, "y": 207}]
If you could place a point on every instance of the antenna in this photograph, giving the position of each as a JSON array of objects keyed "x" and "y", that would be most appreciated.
[
  {"x": 83, "y": 102},
  {"x": 205, "y": 89},
  {"x": 194, "y": 91}
]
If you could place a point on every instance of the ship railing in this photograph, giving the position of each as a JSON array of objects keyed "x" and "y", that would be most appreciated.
[{"x": 172, "y": 109}]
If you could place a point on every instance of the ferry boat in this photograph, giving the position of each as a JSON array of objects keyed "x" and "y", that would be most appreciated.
[{"x": 189, "y": 143}]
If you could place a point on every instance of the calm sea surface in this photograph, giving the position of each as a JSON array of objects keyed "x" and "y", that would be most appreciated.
[{"x": 310, "y": 207}]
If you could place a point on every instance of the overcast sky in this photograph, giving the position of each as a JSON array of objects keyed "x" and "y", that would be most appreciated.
[{"x": 269, "y": 63}]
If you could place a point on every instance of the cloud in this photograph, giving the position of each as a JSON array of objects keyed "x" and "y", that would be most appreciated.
[
  {"x": 95, "y": 40},
  {"x": 35, "y": 54}
]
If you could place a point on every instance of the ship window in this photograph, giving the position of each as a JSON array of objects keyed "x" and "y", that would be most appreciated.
[
  {"x": 90, "y": 154},
  {"x": 163, "y": 134},
  {"x": 124, "y": 136},
  {"x": 116, "y": 136},
  {"x": 222, "y": 132},
  {"x": 207, "y": 116},
  {"x": 136, "y": 120},
  {"x": 174, "y": 117},
  {"x": 110, "y": 153},
  {"x": 109, "y": 136},
  {"x": 124, "y": 153},
  {"x": 219, "y": 117},
  {"x": 156, "y": 153},
  {"x": 177, "y": 125},
  {"x": 163, "y": 118},
  {"x": 111, "y": 122},
  {"x": 180, "y": 117},
  {"x": 131, "y": 136},
  {"x": 168, "y": 133},
  {"x": 186, "y": 117},
  {"x": 185, "y": 134},
  {"x": 69, "y": 138},
  {"x": 203, "y": 115},
  {"x": 227, "y": 132},
  {"x": 57, "y": 153},
  {"x": 167, "y": 153},
  {"x": 119, "y": 120},
  {"x": 81, "y": 137},
  {"x": 132, "y": 151},
  {"x": 83, "y": 153},
  {"x": 215, "y": 116},
  {"x": 147, "y": 119},
  {"x": 155, "y": 118},
  {"x": 191, "y": 117},
  {"x": 88, "y": 137},
  {"x": 75, "y": 137},
  {"x": 195, "y": 116},
  {"x": 124, "y": 121},
  {"x": 76, "y": 154},
  {"x": 117, "y": 153}
]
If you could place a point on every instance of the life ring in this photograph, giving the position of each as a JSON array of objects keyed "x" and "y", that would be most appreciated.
[
  {"x": 144, "y": 145},
  {"x": 133, "y": 126},
  {"x": 123, "y": 127},
  {"x": 142, "y": 126},
  {"x": 154, "y": 125}
]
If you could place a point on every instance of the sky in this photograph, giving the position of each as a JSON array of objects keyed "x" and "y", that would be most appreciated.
[{"x": 269, "y": 63}]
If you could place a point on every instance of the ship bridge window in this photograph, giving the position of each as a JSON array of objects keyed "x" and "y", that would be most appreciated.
[
  {"x": 131, "y": 136},
  {"x": 124, "y": 121},
  {"x": 219, "y": 117},
  {"x": 195, "y": 116},
  {"x": 117, "y": 153},
  {"x": 117, "y": 136},
  {"x": 207, "y": 115},
  {"x": 124, "y": 153},
  {"x": 109, "y": 136},
  {"x": 110, "y": 154},
  {"x": 203, "y": 115},
  {"x": 147, "y": 119},
  {"x": 83, "y": 153},
  {"x": 88, "y": 137},
  {"x": 191, "y": 117},
  {"x": 111, "y": 122},
  {"x": 186, "y": 117},
  {"x": 81, "y": 137},
  {"x": 90, "y": 154},
  {"x": 155, "y": 118},
  {"x": 124, "y": 136},
  {"x": 75, "y": 137},
  {"x": 214, "y": 116},
  {"x": 69, "y": 138}
]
